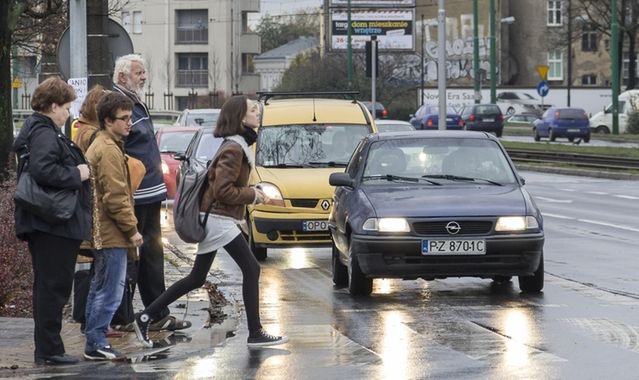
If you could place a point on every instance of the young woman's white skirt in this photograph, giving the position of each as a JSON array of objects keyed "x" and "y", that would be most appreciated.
[{"x": 220, "y": 230}]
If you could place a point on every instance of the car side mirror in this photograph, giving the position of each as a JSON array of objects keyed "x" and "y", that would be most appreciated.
[
  {"x": 180, "y": 157},
  {"x": 340, "y": 179}
]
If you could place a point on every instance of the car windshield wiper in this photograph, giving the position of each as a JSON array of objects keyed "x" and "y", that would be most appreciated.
[
  {"x": 451, "y": 177},
  {"x": 286, "y": 166},
  {"x": 329, "y": 163},
  {"x": 393, "y": 178}
]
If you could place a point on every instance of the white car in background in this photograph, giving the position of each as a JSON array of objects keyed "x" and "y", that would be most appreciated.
[{"x": 514, "y": 102}]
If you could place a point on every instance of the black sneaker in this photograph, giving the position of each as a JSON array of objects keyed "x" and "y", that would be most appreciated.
[
  {"x": 103, "y": 353},
  {"x": 141, "y": 326},
  {"x": 262, "y": 339}
]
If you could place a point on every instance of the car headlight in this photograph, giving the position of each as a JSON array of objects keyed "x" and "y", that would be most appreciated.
[
  {"x": 386, "y": 225},
  {"x": 165, "y": 168},
  {"x": 516, "y": 223},
  {"x": 270, "y": 190}
]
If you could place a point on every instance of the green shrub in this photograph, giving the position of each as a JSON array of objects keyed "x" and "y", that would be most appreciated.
[{"x": 633, "y": 123}]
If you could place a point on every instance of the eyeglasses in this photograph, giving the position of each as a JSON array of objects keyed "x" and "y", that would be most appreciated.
[{"x": 125, "y": 118}]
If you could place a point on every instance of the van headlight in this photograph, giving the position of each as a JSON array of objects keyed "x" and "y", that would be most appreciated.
[
  {"x": 516, "y": 223},
  {"x": 386, "y": 225},
  {"x": 270, "y": 190}
]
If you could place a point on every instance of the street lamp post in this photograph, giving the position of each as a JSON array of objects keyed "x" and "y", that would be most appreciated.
[
  {"x": 349, "y": 48},
  {"x": 476, "y": 50},
  {"x": 422, "y": 71},
  {"x": 615, "y": 67},
  {"x": 493, "y": 53}
]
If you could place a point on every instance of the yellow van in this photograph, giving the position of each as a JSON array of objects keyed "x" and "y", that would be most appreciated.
[{"x": 302, "y": 139}]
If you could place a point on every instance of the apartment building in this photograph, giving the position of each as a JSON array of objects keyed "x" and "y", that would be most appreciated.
[{"x": 198, "y": 52}]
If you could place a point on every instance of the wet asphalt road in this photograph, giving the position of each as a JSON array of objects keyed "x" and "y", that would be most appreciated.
[{"x": 585, "y": 325}]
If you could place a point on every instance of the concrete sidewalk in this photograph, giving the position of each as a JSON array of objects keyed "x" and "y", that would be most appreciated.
[{"x": 213, "y": 319}]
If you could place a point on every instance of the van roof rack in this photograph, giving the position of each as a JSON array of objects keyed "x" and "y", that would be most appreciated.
[{"x": 266, "y": 95}]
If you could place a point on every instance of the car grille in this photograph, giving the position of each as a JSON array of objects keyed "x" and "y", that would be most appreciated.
[
  {"x": 301, "y": 236},
  {"x": 308, "y": 203},
  {"x": 468, "y": 227}
]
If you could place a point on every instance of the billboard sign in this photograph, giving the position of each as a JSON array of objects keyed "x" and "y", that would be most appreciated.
[
  {"x": 394, "y": 28},
  {"x": 373, "y": 3}
]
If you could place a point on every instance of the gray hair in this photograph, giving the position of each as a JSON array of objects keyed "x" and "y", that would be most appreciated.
[{"x": 123, "y": 65}]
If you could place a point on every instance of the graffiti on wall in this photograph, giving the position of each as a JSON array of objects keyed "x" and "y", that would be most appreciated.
[{"x": 459, "y": 49}]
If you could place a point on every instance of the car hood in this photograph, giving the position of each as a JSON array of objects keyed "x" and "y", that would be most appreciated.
[
  {"x": 299, "y": 183},
  {"x": 446, "y": 201}
]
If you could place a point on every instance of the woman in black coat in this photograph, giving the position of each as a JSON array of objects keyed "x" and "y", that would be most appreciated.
[{"x": 54, "y": 161}]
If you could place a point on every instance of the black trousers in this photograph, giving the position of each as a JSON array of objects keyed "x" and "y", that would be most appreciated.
[
  {"x": 53, "y": 259},
  {"x": 240, "y": 252},
  {"x": 149, "y": 271}
]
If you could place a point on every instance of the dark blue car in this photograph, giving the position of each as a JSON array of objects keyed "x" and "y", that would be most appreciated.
[
  {"x": 427, "y": 117},
  {"x": 556, "y": 122},
  {"x": 433, "y": 205}
]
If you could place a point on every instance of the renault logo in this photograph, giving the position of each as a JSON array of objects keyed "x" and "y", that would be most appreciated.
[
  {"x": 325, "y": 204},
  {"x": 453, "y": 228}
]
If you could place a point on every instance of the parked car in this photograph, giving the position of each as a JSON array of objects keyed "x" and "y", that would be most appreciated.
[
  {"x": 199, "y": 152},
  {"x": 301, "y": 140},
  {"x": 203, "y": 117},
  {"x": 427, "y": 117},
  {"x": 380, "y": 111},
  {"x": 520, "y": 120},
  {"x": 483, "y": 117},
  {"x": 163, "y": 118},
  {"x": 387, "y": 125},
  {"x": 570, "y": 122},
  {"x": 513, "y": 102},
  {"x": 172, "y": 141},
  {"x": 433, "y": 205}
]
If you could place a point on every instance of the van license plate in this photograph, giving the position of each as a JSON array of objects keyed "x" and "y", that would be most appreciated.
[
  {"x": 453, "y": 247},
  {"x": 315, "y": 225}
]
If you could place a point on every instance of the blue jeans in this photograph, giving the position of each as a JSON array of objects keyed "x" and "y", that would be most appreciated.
[{"x": 105, "y": 295}]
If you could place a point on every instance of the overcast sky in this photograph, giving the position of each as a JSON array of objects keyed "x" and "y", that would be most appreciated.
[{"x": 279, "y": 7}]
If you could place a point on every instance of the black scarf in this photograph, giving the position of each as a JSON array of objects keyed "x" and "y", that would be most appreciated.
[{"x": 249, "y": 135}]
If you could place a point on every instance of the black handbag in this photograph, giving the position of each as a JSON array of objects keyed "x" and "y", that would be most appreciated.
[{"x": 53, "y": 205}]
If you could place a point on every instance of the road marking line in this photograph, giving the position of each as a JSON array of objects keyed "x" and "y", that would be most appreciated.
[
  {"x": 625, "y": 196},
  {"x": 554, "y": 200},
  {"x": 596, "y": 222}
]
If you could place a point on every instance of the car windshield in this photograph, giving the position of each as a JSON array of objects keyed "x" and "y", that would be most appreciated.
[
  {"x": 307, "y": 145},
  {"x": 202, "y": 119},
  {"x": 175, "y": 142},
  {"x": 207, "y": 146},
  {"x": 455, "y": 160}
]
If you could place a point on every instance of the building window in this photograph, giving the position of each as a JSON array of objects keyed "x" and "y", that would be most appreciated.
[
  {"x": 555, "y": 65},
  {"x": 126, "y": 21},
  {"x": 192, "y": 26},
  {"x": 137, "y": 22},
  {"x": 589, "y": 39},
  {"x": 247, "y": 63},
  {"x": 589, "y": 80},
  {"x": 26, "y": 66},
  {"x": 554, "y": 12},
  {"x": 192, "y": 70}
]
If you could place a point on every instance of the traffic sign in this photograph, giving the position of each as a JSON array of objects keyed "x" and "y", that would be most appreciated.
[
  {"x": 542, "y": 70},
  {"x": 17, "y": 83},
  {"x": 542, "y": 88}
]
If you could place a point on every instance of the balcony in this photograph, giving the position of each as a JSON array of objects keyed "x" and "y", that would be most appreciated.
[
  {"x": 250, "y": 5},
  {"x": 250, "y": 43},
  {"x": 249, "y": 83},
  {"x": 192, "y": 78},
  {"x": 187, "y": 35}
]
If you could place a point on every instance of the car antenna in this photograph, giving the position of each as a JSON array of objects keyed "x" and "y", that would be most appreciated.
[{"x": 314, "y": 117}]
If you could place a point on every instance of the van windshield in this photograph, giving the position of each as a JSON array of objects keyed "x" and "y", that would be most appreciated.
[{"x": 303, "y": 145}]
